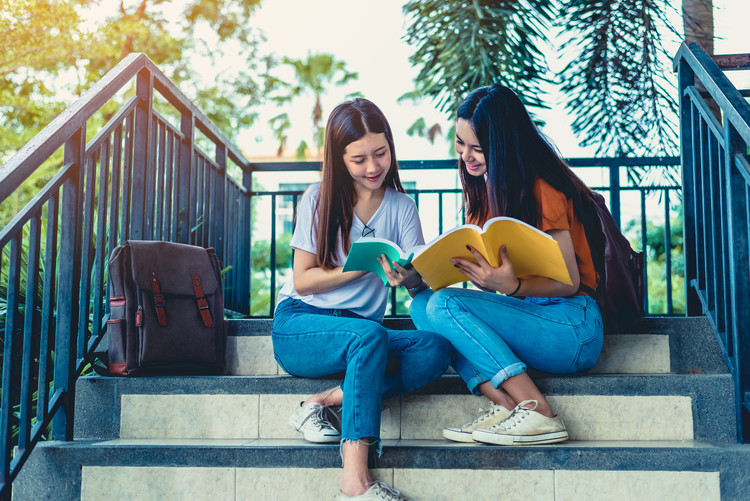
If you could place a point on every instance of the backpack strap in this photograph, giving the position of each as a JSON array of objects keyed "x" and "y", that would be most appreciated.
[
  {"x": 202, "y": 303},
  {"x": 161, "y": 312}
]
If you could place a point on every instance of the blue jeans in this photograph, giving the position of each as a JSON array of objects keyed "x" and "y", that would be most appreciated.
[
  {"x": 495, "y": 336},
  {"x": 379, "y": 362}
]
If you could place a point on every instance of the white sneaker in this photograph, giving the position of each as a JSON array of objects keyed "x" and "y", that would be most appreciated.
[
  {"x": 486, "y": 419},
  {"x": 314, "y": 422},
  {"x": 378, "y": 491},
  {"x": 525, "y": 426}
]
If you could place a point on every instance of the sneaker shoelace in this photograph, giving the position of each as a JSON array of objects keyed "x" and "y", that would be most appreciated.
[
  {"x": 485, "y": 415},
  {"x": 383, "y": 491},
  {"x": 319, "y": 418},
  {"x": 521, "y": 412}
]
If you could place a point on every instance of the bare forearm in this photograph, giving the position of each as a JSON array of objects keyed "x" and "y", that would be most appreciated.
[
  {"x": 317, "y": 280},
  {"x": 543, "y": 287}
]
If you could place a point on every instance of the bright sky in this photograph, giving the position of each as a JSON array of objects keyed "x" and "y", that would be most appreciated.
[{"x": 367, "y": 35}]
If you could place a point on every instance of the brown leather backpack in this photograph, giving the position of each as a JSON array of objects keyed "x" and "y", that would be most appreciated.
[{"x": 167, "y": 309}]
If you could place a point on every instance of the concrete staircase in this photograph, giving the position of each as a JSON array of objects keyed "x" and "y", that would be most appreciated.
[{"x": 654, "y": 420}]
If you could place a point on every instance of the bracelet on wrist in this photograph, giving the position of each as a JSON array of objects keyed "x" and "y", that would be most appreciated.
[
  {"x": 518, "y": 287},
  {"x": 416, "y": 289}
]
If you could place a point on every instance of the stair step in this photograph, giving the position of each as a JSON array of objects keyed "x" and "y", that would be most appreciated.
[
  {"x": 423, "y": 469},
  {"x": 654, "y": 345},
  {"x": 595, "y": 407}
]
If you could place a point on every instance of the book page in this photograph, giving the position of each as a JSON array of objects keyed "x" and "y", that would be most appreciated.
[
  {"x": 433, "y": 260},
  {"x": 531, "y": 251}
]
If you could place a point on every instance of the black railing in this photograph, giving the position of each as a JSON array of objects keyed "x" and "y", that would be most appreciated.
[
  {"x": 716, "y": 180},
  {"x": 138, "y": 177},
  {"x": 440, "y": 210}
]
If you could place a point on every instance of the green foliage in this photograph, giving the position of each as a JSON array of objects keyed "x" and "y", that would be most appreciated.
[
  {"x": 312, "y": 75},
  {"x": 51, "y": 55},
  {"x": 464, "y": 45},
  {"x": 618, "y": 89},
  {"x": 656, "y": 261},
  {"x": 261, "y": 253}
]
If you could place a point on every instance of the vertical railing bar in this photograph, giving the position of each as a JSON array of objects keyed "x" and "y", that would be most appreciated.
[
  {"x": 48, "y": 294},
  {"x": 160, "y": 194},
  {"x": 168, "y": 187},
  {"x": 715, "y": 229},
  {"x": 725, "y": 243},
  {"x": 231, "y": 217},
  {"x": 614, "y": 194},
  {"x": 150, "y": 203},
  {"x": 183, "y": 206},
  {"x": 667, "y": 250},
  {"x": 194, "y": 183},
  {"x": 9, "y": 349},
  {"x": 440, "y": 212},
  {"x": 97, "y": 292},
  {"x": 720, "y": 244},
  {"x": 114, "y": 200},
  {"x": 29, "y": 329},
  {"x": 644, "y": 246},
  {"x": 127, "y": 170},
  {"x": 703, "y": 248},
  {"x": 210, "y": 208},
  {"x": 220, "y": 187},
  {"x": 87, "y": 244}
]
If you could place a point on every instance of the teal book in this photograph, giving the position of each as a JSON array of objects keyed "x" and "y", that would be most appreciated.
[{"x": 365, "y": 252}]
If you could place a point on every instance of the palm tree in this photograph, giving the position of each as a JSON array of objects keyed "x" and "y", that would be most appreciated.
[
  {"x": 314, "y": 75},
  {"x": 619, "y": 92}
]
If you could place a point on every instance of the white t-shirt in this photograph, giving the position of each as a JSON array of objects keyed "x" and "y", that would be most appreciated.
[{"x": 396, "y": 219}]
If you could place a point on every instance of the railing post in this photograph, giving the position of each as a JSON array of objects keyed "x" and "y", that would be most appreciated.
[
  {"x": 68, "y": 288},
  {"x": 614, "y": 193},
  {"x": 187, "y": 127},
  {"x": 739, "y": 275},
  {"x": 686, "y": 77},
  {"x": 246, "y": 242},
  {"x": 141, "y": 153}
]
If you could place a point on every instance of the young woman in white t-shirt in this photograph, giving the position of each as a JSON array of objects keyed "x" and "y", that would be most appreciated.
[{"x": 327, "y": 321}]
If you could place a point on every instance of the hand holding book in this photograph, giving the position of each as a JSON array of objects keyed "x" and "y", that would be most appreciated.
[{"x": 531, "y": 251}]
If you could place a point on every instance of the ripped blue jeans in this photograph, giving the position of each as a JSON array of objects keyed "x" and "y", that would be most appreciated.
[
  {"x": 496, "y": 336},
  {"x": 379, "y": 362}
]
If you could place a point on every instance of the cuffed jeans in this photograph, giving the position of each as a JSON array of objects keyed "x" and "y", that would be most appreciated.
[
  {"x": 495, "y": 336},
  {"x": 315, "y": 342}
]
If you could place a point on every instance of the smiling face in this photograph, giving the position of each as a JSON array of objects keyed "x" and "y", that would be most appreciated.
[
  {"x": 368, "y": 161},
  {"x": 467, "y": 146}
]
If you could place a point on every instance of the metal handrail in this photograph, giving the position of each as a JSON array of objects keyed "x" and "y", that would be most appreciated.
[
  {"x": 135, "y": 179},
  {"x": 716, "y": 178}
]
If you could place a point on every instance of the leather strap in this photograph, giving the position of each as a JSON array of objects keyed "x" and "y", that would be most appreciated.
[
  {"x": 161, "y": 312},
  {"x": 202, "y": 303}
]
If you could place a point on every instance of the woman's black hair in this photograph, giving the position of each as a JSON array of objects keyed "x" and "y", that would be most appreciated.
[{"x": 515, "y": 153}]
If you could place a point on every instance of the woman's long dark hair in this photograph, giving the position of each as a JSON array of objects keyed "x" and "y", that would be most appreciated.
[
  {"x": 515, "y": 153},
  {"x": 349, "y": 122}
]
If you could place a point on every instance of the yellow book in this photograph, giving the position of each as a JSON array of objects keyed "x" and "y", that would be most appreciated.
[{"x": 532, "y": 252}]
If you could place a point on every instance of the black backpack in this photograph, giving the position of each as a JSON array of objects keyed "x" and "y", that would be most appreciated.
[
  {"x": 620, "y": 268},
  {"x": 167, "y": 310}
]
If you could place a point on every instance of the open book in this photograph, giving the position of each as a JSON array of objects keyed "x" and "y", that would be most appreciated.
[
  {"x": 532, "y": 252},
  {"x": 365, "y": 252}
]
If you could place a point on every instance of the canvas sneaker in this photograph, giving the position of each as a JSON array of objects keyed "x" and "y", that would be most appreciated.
[
  {"x": 316, "y": 423},
  {"x": 378, "y": 491},
  {"x": 486, "y": 419},
  {"x": 524, "y": 426}
]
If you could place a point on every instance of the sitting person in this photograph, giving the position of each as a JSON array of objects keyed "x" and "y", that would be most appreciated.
[
  {"x": 507, "y": 168},
  {"x": 327, "y": 321}
]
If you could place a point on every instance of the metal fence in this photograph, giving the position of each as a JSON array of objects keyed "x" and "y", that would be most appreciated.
[
  {"x": 646, "y": 208},
  {"x": 715, "y": 135}
]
